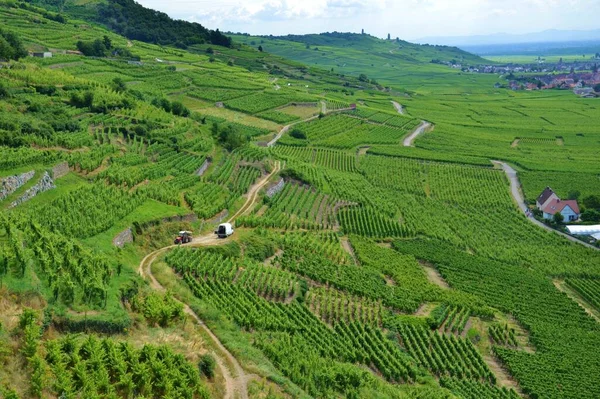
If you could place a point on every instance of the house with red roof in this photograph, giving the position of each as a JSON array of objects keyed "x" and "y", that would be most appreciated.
[
  {"x": 568, "y": 209},
  {"x": 545, "y": 197},
  {"x": 550, "y": 204}
]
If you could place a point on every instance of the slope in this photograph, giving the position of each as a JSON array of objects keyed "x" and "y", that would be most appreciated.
[{"x": 389, "y": 62}]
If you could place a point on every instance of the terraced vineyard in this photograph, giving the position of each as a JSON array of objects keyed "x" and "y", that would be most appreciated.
[{"x": 358, "y": 267}]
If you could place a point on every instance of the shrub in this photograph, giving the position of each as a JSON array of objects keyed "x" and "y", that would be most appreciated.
[
  {"x": 207, "y": 365},
  {"x": 298, "y": 134}
]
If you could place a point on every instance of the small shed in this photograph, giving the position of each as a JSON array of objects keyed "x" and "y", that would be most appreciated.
[{"x": 45, "y": 54}]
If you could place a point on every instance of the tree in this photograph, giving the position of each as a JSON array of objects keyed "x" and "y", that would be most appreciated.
[
  {"x": 592, "y": 202},
  {"x": 88, "y": 99},
  {"x": 11, "y": 47},
  {"x": 590, "y": 215},
  {"x": 119, "y": 85},
  {"x": 298, "y": 134},
  {"x": 363, "y": 77},
  {"x": 232, "y": 138},
  {"x": 574, "y": 194},
  {"x": 210, "y": 50},
  {"x": 558, "y": 218},
  {"x": 107, "y": 42},
  {"x": 207, "y": 365},
  {"x": 597, "y": 88},
  {"x": 260, "y": 48}
]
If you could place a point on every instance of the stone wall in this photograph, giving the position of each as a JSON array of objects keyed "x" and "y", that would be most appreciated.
[
  {"x": 124, "y": 237},
  {"x": 275, "y": 188},
  {"x": 60, "y": 170},
  {"x": 203, "y": 168},
  {"x": 10, "y": 184},
  {"x": 46, "y": 183}
]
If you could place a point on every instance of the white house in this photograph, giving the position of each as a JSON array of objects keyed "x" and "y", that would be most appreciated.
[
  {"x": 45, "y": 54},
  {"x": 545, "y": 197},
  {"x": 568, "y": 209}
]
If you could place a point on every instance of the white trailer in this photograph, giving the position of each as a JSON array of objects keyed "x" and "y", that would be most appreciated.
[{"x": 224, "y": 230}]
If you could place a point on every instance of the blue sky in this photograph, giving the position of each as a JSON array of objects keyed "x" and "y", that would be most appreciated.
[{"x": 407, "y": 19}]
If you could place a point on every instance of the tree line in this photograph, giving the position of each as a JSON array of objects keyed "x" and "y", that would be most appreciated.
[{"x": 136, "y": 22}]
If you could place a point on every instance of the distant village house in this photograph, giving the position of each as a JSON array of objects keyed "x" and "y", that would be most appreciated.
[{"x": 550, "y": 204}]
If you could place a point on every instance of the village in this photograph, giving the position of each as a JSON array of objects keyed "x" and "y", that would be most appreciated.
[{"x": 582, "y": 77}]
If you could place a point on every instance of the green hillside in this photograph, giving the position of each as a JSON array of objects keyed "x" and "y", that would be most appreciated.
[
  {"x": 377, "y": 252},
  {"x": 390, "y": 62}
]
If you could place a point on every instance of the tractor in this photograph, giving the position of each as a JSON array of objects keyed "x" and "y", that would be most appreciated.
[{"x": 184, "y": 237}]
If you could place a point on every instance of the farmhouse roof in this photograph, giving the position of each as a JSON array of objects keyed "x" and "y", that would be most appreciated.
[
  {"x": 559, "y": 205},
  {"x": 547, "y": 193}
]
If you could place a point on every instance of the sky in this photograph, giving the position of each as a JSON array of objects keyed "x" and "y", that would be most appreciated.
[{"x": 407, "y": 19}]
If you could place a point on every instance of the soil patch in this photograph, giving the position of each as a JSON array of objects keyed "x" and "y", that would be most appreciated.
[{"x": 433, "y": 275}]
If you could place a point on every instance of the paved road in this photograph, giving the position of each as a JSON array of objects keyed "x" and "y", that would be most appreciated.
[
  {"x": 515, "y": 190},
  {"x": 408, "y": 140}
]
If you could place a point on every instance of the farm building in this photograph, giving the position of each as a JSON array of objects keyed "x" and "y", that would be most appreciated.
[
  {"x": 592, "y": 231},
  {"x": 45, "y": 54},
  {"x": 569, "y": 209},
  {"x": 550, "y": 204},
  {"x": 545, "y": 197}
]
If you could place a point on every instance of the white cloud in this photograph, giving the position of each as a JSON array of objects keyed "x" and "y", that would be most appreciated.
[{"x": 404, "y": 18}]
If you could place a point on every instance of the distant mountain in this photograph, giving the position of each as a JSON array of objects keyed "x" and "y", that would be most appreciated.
[{"x": 553, "y": 35}]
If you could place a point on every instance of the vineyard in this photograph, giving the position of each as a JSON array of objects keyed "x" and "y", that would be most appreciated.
[
  {"x": 358, "y": 268},
  {"x": 587, "y": 288}
]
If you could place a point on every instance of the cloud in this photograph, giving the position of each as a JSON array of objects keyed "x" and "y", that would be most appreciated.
[
  {"x": 407, "y": 19},
  {"x": 284, "y": 10}
]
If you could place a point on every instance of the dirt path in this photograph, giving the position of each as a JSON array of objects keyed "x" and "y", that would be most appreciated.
[
  {"x": 434, "y": 276},
  {"x": 287, "y": 127},
  {"x": 502, "y": 377},
  {"x": 348, "y": 248},
  {"x": 515, "y": 191},
  {"x": 408, "y": 140},
  {"x": 562, "y": 287},
  {"x": 253, "y": 193},
  {"x": 398, "y": 107},
  {"x": 236, "y": 386}
]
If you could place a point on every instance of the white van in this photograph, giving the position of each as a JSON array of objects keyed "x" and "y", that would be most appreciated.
[{"x": 224, "y": 230}]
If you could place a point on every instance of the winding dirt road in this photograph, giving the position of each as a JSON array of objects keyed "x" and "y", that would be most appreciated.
[
  {"x": 287, "y": 127},
  {"x": 408, "y": 140},
  {"x": 398, "y": 107},
  {"x": 516, "y": 193},
  {"x": 236, "y": 385}
]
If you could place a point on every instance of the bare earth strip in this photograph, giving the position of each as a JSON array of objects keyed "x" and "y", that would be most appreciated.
[
  {"x": 422, "y": 128},
  {"x": 515, "y": 191},
  {"x": 236, "y": 386},
  {"x": 434, "y": 276},
  {"x": 502, "y": 377},
  {"x": 563, "y": 287},
  {"x": 348, "y": 248},
  {"x": 398, "y": 107}
]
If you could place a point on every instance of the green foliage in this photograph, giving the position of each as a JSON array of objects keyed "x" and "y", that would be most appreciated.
[
  {"x": 158, "y": 309},
  {"x": 11, "y": 47},
  {"x": 136, "y": 22},
  {"x": 119, "y": 370},
  {"x": 206, "y": 365}
]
